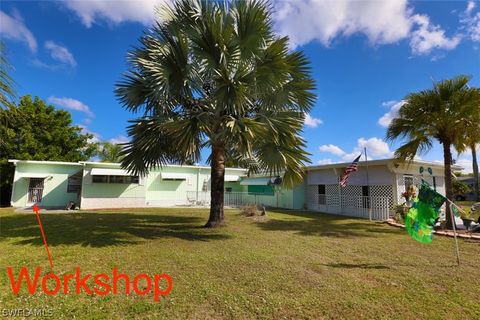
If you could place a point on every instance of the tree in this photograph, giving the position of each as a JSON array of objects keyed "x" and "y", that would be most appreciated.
[
  {"x": 439, "y": 114},
  {"x": 212, "y": 74},
  {"x": 7, "y": 85},
  {"x": 42, "y": 133},
  {"x": 110, "y": 152},
  {"x": 459, "y": 188},
  {"x": 471, "y": 140}
]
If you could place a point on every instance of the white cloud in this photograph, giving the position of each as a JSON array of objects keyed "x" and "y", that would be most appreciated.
[
  {"x": 382, "y": 22},
  {"x": 311, "y": 121},
  {"x": 325, "y": 161},
  {"x": 333, "y": 149},
  {"x": 71, "y": 104},
  {"x": 96, "y": 136},
  {"x": 470, "y": 21},
  {"x": 60, "y": 53},
  {"x": 323, "y": 21},
  {"x": 119, "y": 139},
  {"x": 387, "y": 118},
  {"x": 428, "y": 37},
  {"x": 376, "y": 149},
  {"x": 13, "y": 27},
  {"x": 114, "y": 11}
]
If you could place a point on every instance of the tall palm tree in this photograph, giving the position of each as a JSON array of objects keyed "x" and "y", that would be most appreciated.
[
  {"x": 438, "y": 114},
  {"x": 7, "y": 84},
  {"x": 212, "y": 74},
  {"x": 472, "y": 140}
]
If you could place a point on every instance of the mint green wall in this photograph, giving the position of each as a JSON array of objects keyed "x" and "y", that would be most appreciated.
[
  {"x": 109, "y": 190},
  {"x": 299, "y": 197},
  {"x": 113, "y": 190},
  {"x": 55, "y": 187}
]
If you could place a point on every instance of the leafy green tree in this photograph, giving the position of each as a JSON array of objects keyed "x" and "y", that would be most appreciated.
[
  {"x": 110, "y": 152},
  {"x": 460, "y": 188},
  {"x": 438, "y": 114},
  {"x": 213, "y": 74},
  {"x": 41, "y": 133}
]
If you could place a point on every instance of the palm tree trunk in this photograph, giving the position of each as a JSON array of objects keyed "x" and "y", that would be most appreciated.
[
  {"x": 476, "y": 184},
  {"x": 217, "y": 185},
  {"x": 447, "y": 156}
]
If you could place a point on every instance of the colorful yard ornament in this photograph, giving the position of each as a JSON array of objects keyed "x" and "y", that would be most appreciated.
[{"x": 424, "y": 212}]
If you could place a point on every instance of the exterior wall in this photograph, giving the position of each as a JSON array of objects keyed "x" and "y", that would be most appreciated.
[
  {"x": 349, "y": 200},
  {"x": 402, "y": 171},
  {"x": 55, "y": 193},
  {"x": 152, "y": 190}
]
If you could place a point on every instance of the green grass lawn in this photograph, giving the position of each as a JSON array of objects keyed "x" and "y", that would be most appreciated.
[
  {"x": 467, "y": 206},
  {"x": 291, "y": 265}
]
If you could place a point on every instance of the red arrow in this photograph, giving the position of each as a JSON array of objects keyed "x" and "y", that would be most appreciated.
[{"x": 36, "y": 209}]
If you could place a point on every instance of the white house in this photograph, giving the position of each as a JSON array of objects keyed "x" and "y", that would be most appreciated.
[{"x": 371, "y": 193}]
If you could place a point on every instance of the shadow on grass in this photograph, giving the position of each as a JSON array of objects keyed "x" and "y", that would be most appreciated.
[
  {"x": 356, "y": 266},
  {"x": 310, "y": 223},
  {"x": 103, "y": 229}
]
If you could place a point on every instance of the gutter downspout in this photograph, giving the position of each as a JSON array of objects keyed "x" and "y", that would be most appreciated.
[
  {"x": 83, "y": 183},
  {"x": 13, "y": 184},
  {"x": 198, "y": 183}
]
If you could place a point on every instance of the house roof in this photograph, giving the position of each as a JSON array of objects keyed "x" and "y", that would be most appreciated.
[
  {"x": 15, "y": 161},
  {"x": 382, "y": 162},
  {"x": 104, "y": 164}
]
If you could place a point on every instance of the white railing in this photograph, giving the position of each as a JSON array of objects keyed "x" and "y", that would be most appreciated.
[
  {"x": 376, "y": 208},
  {"x": 232, "y": 199}
]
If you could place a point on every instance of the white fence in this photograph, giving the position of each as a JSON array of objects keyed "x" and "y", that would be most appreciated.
[
  {"x": 233, "y": 199},
  {"x": 376, "y": 208}
]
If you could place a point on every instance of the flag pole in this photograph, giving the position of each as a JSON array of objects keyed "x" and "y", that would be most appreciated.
[
  {"x": 369, "y": 204},
  {"x": 449, "y": 203}
]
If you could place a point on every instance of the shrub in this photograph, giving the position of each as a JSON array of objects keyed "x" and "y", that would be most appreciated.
[
  {"x": 399, "y": 211},
  {"x": 250, "y": 210}
]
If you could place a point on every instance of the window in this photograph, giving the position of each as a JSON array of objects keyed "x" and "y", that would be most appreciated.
[
  {"x": 100, "y": 179},
  {"x": 321, "y": 194},
  {"x": 75, "y": 182},
  {"x": 116, "y": 179},
  {"x": 434, "y": 183},
  {"x": 365, "y": 196},
  {"x": 408, "y": 181},
  {"x": 35, "y": 190},
  {"x": 263, "y": 190},
  {"x": 228, "y": 189}
]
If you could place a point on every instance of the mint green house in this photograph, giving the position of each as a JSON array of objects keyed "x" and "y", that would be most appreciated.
[{"x": 92, "y": 185}]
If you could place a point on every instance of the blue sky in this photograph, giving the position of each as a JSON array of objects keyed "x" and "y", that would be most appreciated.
[{"x": 366, "y": 56}]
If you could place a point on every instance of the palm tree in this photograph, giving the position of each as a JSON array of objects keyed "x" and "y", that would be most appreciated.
[
  {"x": 7, "y": 85},
  {"x": 438, "y": 114},
  {"x": 212, "y": 74},
  {"x": 110, "y": 152},
  {"x": 472, "y": 140}
]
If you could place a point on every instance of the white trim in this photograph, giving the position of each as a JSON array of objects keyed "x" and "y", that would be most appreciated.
[
  {"x": 256, "y": 182},
  {"x": 174, "y": 176},
  {"x": 231, "y": 178},
  {"x": 32, "y": 175},
  {"x": 15, "y": 161},
  {"x": 109, "y": 172},
  {"x": 383, "y": 162},
  {"x": 157, "y": 168}
]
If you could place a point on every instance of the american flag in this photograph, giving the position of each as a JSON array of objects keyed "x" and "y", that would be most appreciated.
[{"x": 351, "y": 168}]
